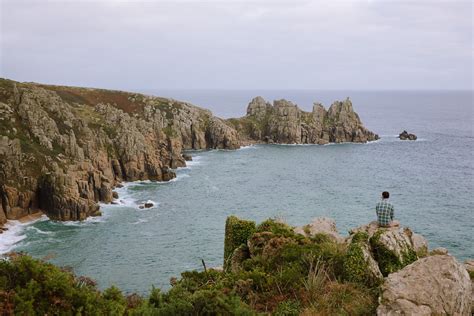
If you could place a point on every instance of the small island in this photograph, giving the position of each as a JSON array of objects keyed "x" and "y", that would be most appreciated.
[{"x": 407, "y": 136}]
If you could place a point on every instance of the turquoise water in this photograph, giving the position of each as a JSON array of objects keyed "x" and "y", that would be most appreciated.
[{"x": 431, "y": 181}]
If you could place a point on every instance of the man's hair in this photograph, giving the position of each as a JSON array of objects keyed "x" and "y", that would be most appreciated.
[{"x": 385, "y": 194}]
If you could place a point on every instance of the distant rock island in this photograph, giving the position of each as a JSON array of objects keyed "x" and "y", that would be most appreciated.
[
  {"x": 64, "y": 149},
  {"x": 407, "y": 136},
  {"x": 285, "y": 123}
]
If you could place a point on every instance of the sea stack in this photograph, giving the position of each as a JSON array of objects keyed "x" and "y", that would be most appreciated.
[{"x": 407, "y": 136}]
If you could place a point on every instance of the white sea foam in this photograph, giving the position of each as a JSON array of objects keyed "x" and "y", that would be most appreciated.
[
  {"x": 248, "y": 147},
  {"x": 179, "y": 176},
  {"x": 155, "y": 204},
  {"x": 87, "y": 221},
  {"x": 15, "y": 234},
  {"x": 196, "y": 161},
  {"x": 39, "y": 231},
  {"x": 140, "y": 221}
]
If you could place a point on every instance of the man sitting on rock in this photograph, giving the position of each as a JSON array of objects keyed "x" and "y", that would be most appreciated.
[{"x": 385, "y": 210}]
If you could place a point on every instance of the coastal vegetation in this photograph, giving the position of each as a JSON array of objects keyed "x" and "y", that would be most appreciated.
[{"x": 269, "y": 268}]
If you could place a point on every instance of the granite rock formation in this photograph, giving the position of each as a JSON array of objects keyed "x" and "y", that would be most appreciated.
[
  {"x": 393, "y": 247},
  {"x": 320, "y": 225},
  {"x": 285, "y": 123},
  {"x": 413, "y": 284},
  {"x": 407, "y": 136},
  {"x": 436, "y": 285},
  {"x": 63, "y": 149}
]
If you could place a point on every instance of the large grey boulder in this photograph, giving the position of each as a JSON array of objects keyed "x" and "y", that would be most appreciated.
[
  {"x": 320, "y": 225},
  {"x": 435, "y": 285},
  {"x": 469, "y": 265}
]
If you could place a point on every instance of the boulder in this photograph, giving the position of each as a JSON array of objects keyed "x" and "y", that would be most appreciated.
[
  {"x": 320, "y": 225},
  {"x": 419, "y": 243},
  {"x": 369, "y": 228},
  {"x": 187, "y": 157},
  {"x": 439, "y": 251},
  {"x": 407, "y": 136},
  {"x": 469, "y": 265},
  {"x": 148, "y": 204},
  {"x": 435, "y": 285},
  {"x": 392, "y": 249}
]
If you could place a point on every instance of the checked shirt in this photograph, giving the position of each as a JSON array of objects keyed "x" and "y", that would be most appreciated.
[{"x": 384, "y": 211}]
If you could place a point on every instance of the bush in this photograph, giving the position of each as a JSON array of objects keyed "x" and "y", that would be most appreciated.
[
  {"x": 237, "y": 232},
  {"x": 281, "y": 273},
  {"x": 31, "y": 286}
]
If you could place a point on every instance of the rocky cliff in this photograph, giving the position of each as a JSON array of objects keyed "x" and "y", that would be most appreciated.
[
  {"x": 63, "y": 149},
  {"x": 283, "y": 122}
]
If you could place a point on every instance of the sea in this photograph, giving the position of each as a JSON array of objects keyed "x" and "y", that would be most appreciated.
[{"x": 431, "y": 182}]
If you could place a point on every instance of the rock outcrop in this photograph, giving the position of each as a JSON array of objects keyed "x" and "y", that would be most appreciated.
[
  {"x": 374, "y": 258},
  {"x": 436, "y": 285},
  {"x": 63, "y": 149},
  {"x": 285, "y": 123},
  {"x": 407, "y": 136},
  {"x": 392, "y": 248},
  {"x": 320, "y": 225}
]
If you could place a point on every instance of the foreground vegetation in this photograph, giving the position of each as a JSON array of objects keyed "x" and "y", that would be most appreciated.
[{"x": 268, "y": 269}]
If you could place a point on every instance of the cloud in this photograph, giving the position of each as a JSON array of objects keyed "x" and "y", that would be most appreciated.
[{"x": 239, "y": 44}]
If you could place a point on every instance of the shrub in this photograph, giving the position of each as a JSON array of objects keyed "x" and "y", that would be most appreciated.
[
  {"x": 32, "y": 286},
  {"x": 344, "y": 299},
  {"x": 288, "y": 308},
  {"x": 237, "y": 232}
]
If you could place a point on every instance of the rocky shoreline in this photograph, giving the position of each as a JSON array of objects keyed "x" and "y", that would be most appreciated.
[{"x": 64, "y": 149}]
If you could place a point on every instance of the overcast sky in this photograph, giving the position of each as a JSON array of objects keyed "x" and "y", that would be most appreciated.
[{"x": 269, "y": 44}]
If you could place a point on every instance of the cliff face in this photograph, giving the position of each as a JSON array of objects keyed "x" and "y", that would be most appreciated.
[
  {"x": 283, "y": 122},
  {"x": 63, "y": 149}
]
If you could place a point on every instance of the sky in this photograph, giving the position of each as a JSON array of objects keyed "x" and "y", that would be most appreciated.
[{"x": 239, "y": 44}]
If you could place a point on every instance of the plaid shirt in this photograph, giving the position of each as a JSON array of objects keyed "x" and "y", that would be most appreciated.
[{"x": 384, "y": 211}]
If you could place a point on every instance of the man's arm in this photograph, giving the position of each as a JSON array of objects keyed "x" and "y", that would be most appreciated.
[{"x": 392, "y": 211}]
